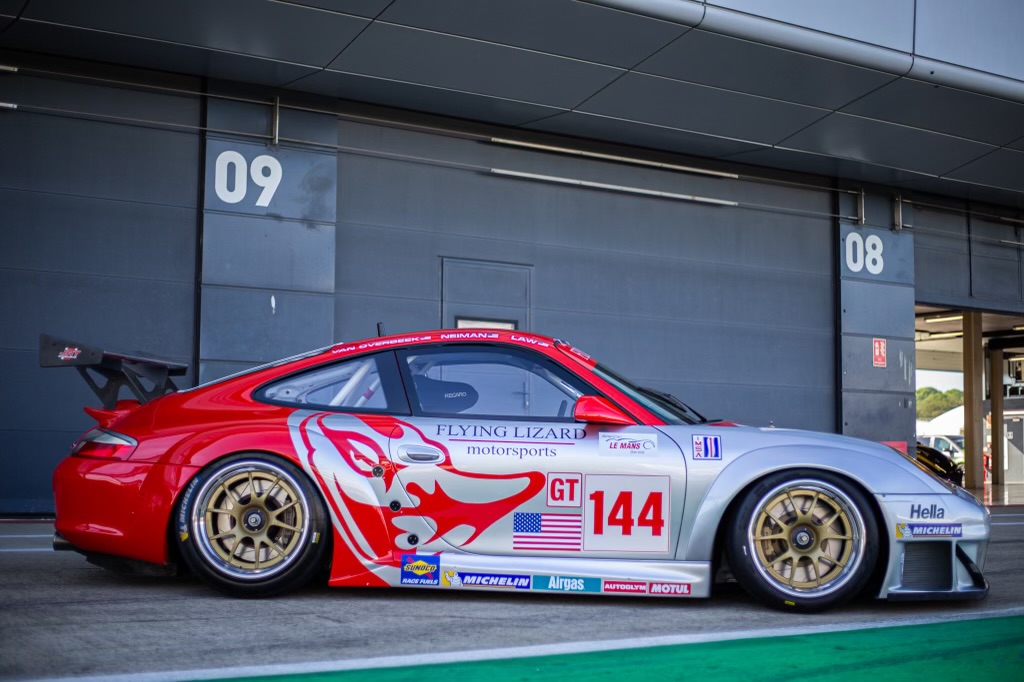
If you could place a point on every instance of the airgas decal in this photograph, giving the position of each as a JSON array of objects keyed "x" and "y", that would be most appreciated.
[
  {"x": 558, "y": 583},
  {"x": 707, "y": 447},
  {"x": 183, "y": 509}
]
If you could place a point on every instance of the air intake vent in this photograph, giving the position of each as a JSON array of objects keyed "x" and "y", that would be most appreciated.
[{"x": 927, "y": 566}]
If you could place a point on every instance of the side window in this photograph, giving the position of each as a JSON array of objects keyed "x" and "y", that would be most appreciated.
[
  {"x": 487, "y": 381},
  {"x": 364, "y": 383}
]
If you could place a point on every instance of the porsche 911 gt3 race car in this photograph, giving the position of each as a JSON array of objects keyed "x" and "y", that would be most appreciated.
[{"x": 491, "y": 460}]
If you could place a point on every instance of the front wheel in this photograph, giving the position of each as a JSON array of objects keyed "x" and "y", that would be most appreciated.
[
  {"x": 804, "y": 541},
  {"x": 252, "y": 525}
]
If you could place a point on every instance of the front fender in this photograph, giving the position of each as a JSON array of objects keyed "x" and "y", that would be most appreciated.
[{"x": 704, "y": 513}]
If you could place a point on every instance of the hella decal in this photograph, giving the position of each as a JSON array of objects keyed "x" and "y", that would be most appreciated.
[
  {"x": 619, "y": 444},
  {"x": 420, "y": 569},
  {"x": 913, "y": 531},
  {"x": 707, "y": 447},
  {"x": 557, "y": 583},
  {"x": 670, "y": 589},
  {"x": 624, "y": 587},
  {"x": 934, "y": 511}
]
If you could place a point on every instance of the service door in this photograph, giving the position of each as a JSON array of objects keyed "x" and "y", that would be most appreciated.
[{"x": 496, "y": 466}]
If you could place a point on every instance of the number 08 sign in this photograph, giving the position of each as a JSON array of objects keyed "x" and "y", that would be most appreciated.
[{"x": 626, "y": 513}]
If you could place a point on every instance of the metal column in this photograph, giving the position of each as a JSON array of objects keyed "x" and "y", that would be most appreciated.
[{"x": 974, "y": 413}]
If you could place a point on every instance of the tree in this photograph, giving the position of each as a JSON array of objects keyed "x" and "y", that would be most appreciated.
[{"x": 931, "y": 402}]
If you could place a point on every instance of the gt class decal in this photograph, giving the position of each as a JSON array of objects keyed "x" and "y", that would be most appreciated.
[{"x": 626, "y": 513}]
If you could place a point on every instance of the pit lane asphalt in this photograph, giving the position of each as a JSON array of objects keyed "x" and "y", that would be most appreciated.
[{"x": 60, "y": 616}]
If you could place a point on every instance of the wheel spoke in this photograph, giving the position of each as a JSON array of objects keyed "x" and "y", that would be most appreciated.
[
  {"x": 782, "y": 524},
  {"x": 280, "y": 524},
  {"x": 229, "y": 493},
  {"x": 284, "y": 508},
  {"x": 266, "y": 493}
]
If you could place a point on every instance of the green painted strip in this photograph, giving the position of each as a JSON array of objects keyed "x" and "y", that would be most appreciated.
[{"x": 991, "y": 650}]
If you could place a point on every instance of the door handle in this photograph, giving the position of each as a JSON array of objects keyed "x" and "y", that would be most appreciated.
[{"x": 419, "y": 453}]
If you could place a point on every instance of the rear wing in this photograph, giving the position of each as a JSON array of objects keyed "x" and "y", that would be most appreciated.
[{"x": 147, "y": 377}]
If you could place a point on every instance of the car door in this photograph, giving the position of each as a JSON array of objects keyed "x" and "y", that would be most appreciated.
[{"x": 496, "y": 464}]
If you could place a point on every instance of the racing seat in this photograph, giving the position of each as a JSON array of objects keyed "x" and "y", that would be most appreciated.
[{"x": 444, "y": 397}]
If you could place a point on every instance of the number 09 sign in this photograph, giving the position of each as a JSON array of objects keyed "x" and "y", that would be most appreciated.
[{"x": 626, "y": 513}]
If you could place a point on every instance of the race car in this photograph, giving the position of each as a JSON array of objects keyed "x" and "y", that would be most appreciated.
[{"x": 491, "y": 460}]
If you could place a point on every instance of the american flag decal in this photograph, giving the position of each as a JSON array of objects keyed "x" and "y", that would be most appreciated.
[{"x": 547, "y": 532}]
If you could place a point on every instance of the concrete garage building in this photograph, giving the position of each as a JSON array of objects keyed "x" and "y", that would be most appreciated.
[{"x": 755, "y": 206}]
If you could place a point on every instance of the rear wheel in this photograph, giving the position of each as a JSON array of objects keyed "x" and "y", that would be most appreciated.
[
  {"x": 804, "y": 541},
  {"x": 252, "y": 525}
]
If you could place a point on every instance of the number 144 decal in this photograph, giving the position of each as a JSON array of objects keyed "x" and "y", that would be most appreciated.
[{"x": 626, "y": 513}]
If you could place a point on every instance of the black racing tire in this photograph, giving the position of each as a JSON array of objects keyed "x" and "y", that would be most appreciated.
[
  {"x": 803, "y": 541},
  {"x": 252, "y": 525}
]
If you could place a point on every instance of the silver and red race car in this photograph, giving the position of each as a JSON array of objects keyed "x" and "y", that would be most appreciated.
[{"x": 491, "y": 459}]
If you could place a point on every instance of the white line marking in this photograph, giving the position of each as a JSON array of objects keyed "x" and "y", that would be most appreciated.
[
  {"x": 1008, "y": 523},
  {"x": 51, "y": 535},
  {"x": 1002, "y": 515},
  {"x": 48, "y": 549},
  {"x": 519, "y": 652}
]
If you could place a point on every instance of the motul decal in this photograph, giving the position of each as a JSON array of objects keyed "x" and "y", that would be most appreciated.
[{"x": 669, "y": 589}]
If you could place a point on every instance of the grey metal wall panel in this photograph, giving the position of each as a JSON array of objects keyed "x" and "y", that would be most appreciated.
[
  {"x": 28, "y": 459},
  {"x": 97, "y": 236},
  {"x": 862, "y": 374},
  {"x": 941, "y": 276},
  {"x": 995, "y": 279},
  {"x": 107, "y": 310},
  {"x": 29, "y": 91},
  {"x": 61, "y": 390},
  {"x": 89, "y": 158},
  {"x": 738, "y": 304},
  {"x": 889, "y": 23},
  {"x": 361, "y": 8},
  {"x": 263, "y": 325},
  {"x": 952, "y": 32},
  {"x": 268, "y": 253},
  {"x": 868, "y": 309},
  {"x": 865, "y": 414},
  {"x": 869, "y": 249}
]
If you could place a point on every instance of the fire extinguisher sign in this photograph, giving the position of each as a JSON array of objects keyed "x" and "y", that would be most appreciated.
[{"x": 878, "y": 352}]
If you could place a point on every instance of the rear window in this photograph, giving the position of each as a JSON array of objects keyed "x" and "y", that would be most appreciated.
[{"x": 369, "y": 383}]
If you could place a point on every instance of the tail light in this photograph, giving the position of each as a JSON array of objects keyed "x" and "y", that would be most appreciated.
[{"x": 102, "y": 444}]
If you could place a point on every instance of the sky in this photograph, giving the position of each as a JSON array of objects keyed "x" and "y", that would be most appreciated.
[{"x": 942, "y": 381}]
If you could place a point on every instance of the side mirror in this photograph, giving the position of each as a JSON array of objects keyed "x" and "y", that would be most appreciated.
[{"x": 594, "y": 409}]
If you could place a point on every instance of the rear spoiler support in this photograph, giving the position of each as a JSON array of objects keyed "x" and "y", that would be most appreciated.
[{"x": 114, "y": 369}]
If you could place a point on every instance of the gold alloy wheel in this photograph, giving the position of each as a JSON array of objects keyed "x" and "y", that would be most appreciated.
[
  {"x": 807, "y": 538},
  {"x": 250, "y": 520}
]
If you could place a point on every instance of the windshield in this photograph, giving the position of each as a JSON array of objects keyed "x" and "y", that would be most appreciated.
[
  {"x": 666, "y": 406},
  {"x": 958, "y": 441}
]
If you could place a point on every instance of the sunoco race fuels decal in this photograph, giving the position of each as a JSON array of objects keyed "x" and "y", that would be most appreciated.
[{"x": 420, "y": 569}]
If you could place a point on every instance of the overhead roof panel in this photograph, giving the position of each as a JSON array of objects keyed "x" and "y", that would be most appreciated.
[
  {"x": 667, "y": 102},
  {"x": 889, "y": 23},
  {"x": 886, "y": 144},
  {"x": 1002, "y": 168},
  {"x": 562, "y": 27},
  {"x": 820, "y": 164},
  {"x": 944, "y": 110},
  {"x": 640, "y": 134},
  {"x": 251, "y": 27},
  {"x": 469, "y": 65},
  {"x": 423, "y": 98},
  {"x": 360, "y": 8},
  {"x": 734, "y": 64},
  {"x": 150, "y": 54}
]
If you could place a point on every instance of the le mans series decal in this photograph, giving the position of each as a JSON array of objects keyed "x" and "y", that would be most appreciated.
[
  {"x": 707, "y": 447},
  {"x": 627, "y": 443},
  {"x": 421, "y": 569}
]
